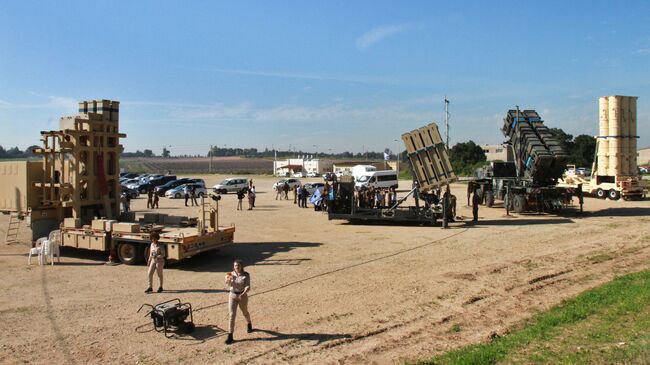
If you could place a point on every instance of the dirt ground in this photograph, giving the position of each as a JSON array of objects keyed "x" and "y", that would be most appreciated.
[{"x": 322, "y": 291}]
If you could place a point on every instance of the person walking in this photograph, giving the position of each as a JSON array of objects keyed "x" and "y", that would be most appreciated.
[
  {"x": 240, "y": 197},
  {"x": 186, "y": 192},
  {"x": 476, "y": 201},
  {"x": 154, "y": 205},
  {"x": 239, "y": 282},
  {"x": 278, "y": 191},
  {"x": 254, "y": 194},
  {"x": 149, "y": 198},
  {"x": 126, "y": 202},
  {"x": 155, "y": 261},
  {"x": 285, "y": 187}
]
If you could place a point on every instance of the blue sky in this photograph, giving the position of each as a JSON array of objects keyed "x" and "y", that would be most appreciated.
[{"x": 334, "y": 75}]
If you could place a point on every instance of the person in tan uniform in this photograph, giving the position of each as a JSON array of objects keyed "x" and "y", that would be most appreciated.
[
  {"x": 239, "y": 282},
  {"x": 155, "y": 261}
]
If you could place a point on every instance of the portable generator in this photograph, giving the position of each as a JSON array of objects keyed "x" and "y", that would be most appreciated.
[{"x": 171, "y": 316}]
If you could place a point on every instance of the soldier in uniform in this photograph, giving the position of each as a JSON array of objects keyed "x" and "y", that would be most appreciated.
[
  {"x": 150, "y": 198},
  {"x": 239, "y": 282},
  {"x": 154, "y": 205},
  {"x": 476, "y": 201},
  {"x": 155, "y": 261}
]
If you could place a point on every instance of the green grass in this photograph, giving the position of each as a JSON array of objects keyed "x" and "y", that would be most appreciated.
[{"x": 605, "y": 325}]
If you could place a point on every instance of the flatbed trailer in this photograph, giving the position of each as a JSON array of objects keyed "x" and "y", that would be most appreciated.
[{"x": 129, "y": 242}]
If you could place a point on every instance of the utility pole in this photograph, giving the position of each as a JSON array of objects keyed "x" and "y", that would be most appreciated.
[
  {"x": 210, "y": 168},
  {"x": 446, "y": 122}
]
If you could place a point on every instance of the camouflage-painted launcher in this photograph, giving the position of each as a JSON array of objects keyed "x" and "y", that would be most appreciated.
[
  {"x": 428, "y": 156},
  {"x": 538, "y": 155}
]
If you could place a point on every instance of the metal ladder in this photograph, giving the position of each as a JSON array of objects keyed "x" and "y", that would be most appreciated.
[{"x": 11, "y": 236}]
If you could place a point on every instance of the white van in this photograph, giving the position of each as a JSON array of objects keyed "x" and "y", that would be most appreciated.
[
  {"x": 378, "y": 179},
  {"x": 231, "y": 185},
  {"x": 360, "y": 170}
]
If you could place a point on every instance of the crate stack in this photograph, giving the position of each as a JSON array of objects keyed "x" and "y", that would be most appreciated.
[
  {"x": 617, "y": 140},
  {"x": 81, "y": 162},
  {"x": 538, "y": 154}
]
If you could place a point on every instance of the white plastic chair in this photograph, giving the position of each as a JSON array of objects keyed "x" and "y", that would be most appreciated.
[
  {"x": 50, "y": 249},
  {"x": 36, "y": 251}
]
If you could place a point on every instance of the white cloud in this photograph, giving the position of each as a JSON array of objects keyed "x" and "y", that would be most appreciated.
[
  {"x": 643, "y": 50},
  {"x": 378, "y": 34}
]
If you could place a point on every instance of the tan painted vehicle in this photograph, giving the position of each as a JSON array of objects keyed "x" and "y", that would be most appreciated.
[{"x": 130, "y": 241}]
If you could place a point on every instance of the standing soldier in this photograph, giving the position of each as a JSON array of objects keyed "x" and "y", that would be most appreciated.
[
  {"x": 155, "y": 201},
  {"x": 155, "y": 261},
  {"x": 476, "y": 201},
  {"x": 193, "y": 196},
  {"x": 150, "y": 198},
  {"x": 240, "y": 197}
]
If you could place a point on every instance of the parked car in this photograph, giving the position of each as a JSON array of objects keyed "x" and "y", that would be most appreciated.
[
  {"x": 199, "y": 181},
  {"x": 312, "y": 187},
  {"x": 583, "y": 171},
  {"x": 177, "y": 192},
  {"x": 293, "y": 182},
  {"x": 298, "y": 174},
  {"x": 231, "y": 185},
  {"x": 328, "y": 176},
  {"x": 132, "y": 193},
  {"x": 313, "y": 174},
  {"x": 162, "y": 189},
  {"x": 158, "y": 181},
  {"x": 644, "y": 169},
  {"x": 128, "y": 175}
]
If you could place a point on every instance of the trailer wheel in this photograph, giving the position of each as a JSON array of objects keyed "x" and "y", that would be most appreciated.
[
  {"x": 489, "y": 198},
  {"x": 613, "y": 194},
  {"x": 601, "y": 193},
  {"x": 128, "y": 253},
  {"x": 519, "y": 204}
]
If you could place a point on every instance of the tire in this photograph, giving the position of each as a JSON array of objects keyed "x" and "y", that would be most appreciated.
[
  {"x": 143, "y": 191},
  {"x": 134, "y": 196},
  {"x": 600, "y": 193},
  {"x": 177, "y": 196},
  {"x": 613, "y": 194},
  {"x": 519, "y": 204},
  {"x": 489, "y": 198},
  {"x": 128, "y": 253},
  {"x": 200, "y": 195}
]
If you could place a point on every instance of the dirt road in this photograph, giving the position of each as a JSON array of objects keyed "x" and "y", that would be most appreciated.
[{"x": 322, "y": 291}]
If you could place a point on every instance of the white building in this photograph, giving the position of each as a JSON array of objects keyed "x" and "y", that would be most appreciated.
[{"x": 305, "y": 165}]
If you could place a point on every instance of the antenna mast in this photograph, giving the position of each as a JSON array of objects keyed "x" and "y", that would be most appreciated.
[{"x": 446, "y": 122}]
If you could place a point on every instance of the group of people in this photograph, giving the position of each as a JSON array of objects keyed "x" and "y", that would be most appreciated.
[
  {"x": 372, "y": 197},
  {"x": 238, "y": 281},
  {"x": 190, "y": 194},
  {"x": 243, "y": 193},
  {"x": 152, "y": 199}
]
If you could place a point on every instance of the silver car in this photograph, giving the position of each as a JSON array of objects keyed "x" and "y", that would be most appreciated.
[
  {"x": 231, "y": 185},
  {"x": 179, "y": 191}
]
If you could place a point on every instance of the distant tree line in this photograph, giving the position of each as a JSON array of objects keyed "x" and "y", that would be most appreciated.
[
  {"x": 254, "y": 152},
  {"x": 15, "y": 152}
]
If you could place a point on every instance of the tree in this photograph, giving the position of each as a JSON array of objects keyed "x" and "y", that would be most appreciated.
[
  {"x": 584, "y": 148},
  {"x": 147, "y": 153},
  {"x": 466, "y": 157},
  {"x": 165, "y": 152}
]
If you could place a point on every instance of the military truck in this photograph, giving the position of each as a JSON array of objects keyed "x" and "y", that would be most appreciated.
[{"x": 539, "y": 162}]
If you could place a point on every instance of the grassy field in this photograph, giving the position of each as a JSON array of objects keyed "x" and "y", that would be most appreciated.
[{"x": 606, "y": 325}]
